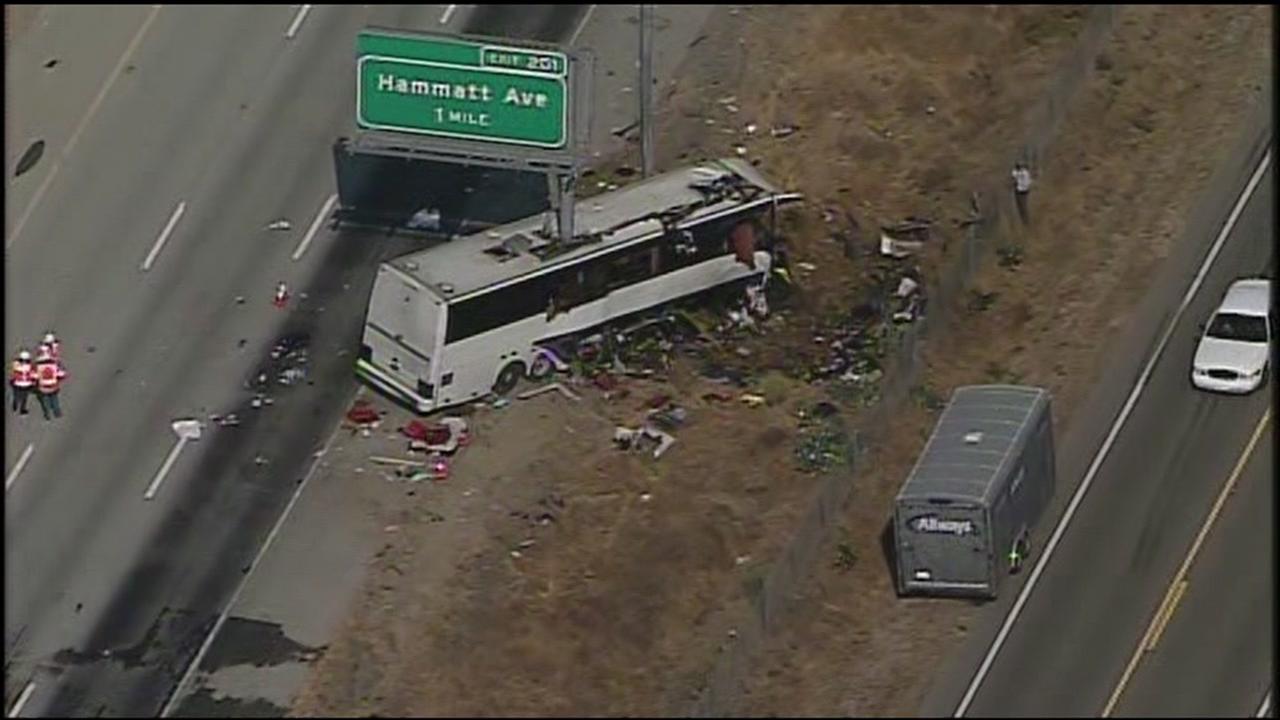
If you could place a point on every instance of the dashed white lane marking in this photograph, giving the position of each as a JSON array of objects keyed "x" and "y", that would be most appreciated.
[
  {"x": 315, "y": 226},
  {"x": 448, "y": 13},
  {"x": 164, "y": 235},
  {"x": 84, "y": 122},
  {"x": 164, "y": 469},
  {"x": 297, "y": 21},
  {"x": 17, "y": 468}
]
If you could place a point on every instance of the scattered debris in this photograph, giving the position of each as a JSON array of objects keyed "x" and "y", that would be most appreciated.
[
  {"x": 821, "y": 447},
  {"x": 631, "y": 439},
  {"x": 670, "y": 418},
  {"x": 905, "y": 238},
  {"x": 396, "y": 461},
  {"x": 29, "y": 158},
  {"x": 783, "y": 131},
  {"x": 443, "y": 437},
  {"x": 228, "y": 420},
  {"x": 281, "y": 298},
  {"x": 753, "y": 401},
  {"x": 548, "y": 388},
  {"x": 425, "y": 219},
  {"x": 362, "y": 413}
]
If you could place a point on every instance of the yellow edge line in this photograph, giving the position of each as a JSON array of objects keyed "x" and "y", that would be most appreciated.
[
  {"x": 1178, "y": 584},
  {"x": 1166, "y": 614}
]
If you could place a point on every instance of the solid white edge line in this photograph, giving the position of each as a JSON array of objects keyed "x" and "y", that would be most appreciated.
[
  {"x": 16, "y": 710},
  {"x": 84, "y": 122},
  {"x": 315, "y": 226},
  {"x": 448, "y": 13},
  {"x": 1110, "y": 439},
  {"x": 164, "y": 469},
  {"x": 297, "y": 21},
  {"x": 176, "y": 695},
  {"x": 1265, "y": 707},
  {"x": 164, "y": 235},
  {"x": 17, "y": 468},
  {"x": 574, "y": 37}
]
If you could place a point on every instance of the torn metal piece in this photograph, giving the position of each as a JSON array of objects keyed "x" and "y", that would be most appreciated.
[
  {"x": 548, "y": 388},
  {"x": 906, "y": 286},
  {"x": 396, "y": 461}
]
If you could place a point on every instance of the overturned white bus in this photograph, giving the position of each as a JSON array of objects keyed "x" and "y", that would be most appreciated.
[{"x": 456, "y": 322}]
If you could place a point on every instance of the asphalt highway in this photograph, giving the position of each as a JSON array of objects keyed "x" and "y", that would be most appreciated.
[
  {"x": 146, "y": 247},
  {"x": 1213, "y": 657},
  {"x": 1081, "y": 625}
]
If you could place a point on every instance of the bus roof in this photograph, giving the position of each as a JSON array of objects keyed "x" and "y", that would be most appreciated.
[{"x": 474, "y": 262}]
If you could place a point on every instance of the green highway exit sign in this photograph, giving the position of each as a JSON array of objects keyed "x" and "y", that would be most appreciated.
[{"x": 454, "y": 88}]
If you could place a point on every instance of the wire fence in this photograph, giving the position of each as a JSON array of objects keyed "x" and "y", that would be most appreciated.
[{"x": 723, "y": 684}]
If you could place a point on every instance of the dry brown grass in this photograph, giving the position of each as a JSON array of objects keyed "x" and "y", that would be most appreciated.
[
  {"x": 620, "y": 605},
  {"x": 1135, "y": 152}
]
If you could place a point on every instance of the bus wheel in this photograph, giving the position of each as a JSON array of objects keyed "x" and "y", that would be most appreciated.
[
  {"x": 508, "y": 378},
  {"x": 541, "y": 367}
]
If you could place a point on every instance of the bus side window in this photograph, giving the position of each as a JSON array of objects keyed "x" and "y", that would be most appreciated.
[
  {"x": 632, "y": 267},
  {"x": 572, "y": 287}
]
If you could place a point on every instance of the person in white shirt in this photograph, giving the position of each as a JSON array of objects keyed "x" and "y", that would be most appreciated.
[{"x": 1021, "y": 188}]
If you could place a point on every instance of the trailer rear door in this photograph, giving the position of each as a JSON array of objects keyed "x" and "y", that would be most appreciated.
[{"x": 943, "y": 545}]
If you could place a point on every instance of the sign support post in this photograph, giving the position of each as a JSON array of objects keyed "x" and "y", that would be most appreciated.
[{"x": 646, "y": 89}]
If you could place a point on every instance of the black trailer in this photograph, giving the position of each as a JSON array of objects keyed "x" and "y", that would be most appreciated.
[{"x": 984, "y": 479}]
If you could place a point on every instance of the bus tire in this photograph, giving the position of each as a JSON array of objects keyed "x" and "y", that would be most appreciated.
[
  {"x": 541, "y": 367},
  {"x": 508, "y": 378}
]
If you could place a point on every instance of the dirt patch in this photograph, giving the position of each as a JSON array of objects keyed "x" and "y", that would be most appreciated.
[
  {"x": 592, "y": 581},
  {"x": 1135, "y": 152}
]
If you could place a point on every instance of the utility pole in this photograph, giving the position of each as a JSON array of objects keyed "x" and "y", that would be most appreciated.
[{"x": 646, "y": 89}]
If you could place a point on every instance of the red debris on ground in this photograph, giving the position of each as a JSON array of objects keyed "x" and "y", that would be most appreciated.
[
  {"x": 362, "y": 413},
  {"x": 429, "y": 434},
  {"x": 658, "y": 401}
]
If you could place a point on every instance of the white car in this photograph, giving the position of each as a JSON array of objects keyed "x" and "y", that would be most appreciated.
[{"x": 1233, "y": 351}]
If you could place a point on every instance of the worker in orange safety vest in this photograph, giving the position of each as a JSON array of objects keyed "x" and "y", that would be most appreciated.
[
  {"x": 49, "y": 376},
  {"x": 22, "y": 377}
]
